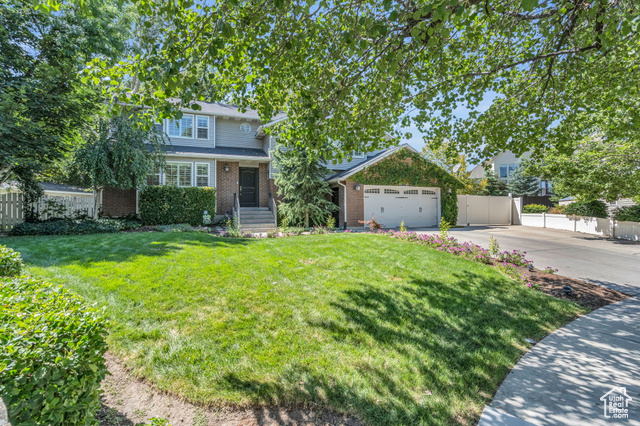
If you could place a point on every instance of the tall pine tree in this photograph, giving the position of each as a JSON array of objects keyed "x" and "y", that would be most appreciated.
[
  {"x": 492, "y": 184},
  {"x": 302, "y": 187},
  {"x": 522, "y": 184}
]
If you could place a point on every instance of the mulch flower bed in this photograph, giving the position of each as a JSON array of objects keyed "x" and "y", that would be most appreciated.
[{"x": 589, "y": 295}]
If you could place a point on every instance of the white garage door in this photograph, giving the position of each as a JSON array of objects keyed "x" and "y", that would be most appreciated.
[{"x": 391, "y": 205}]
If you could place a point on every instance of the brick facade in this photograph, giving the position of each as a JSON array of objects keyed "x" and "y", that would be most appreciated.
[
  {"x": 355, "y": 205},
  {"x": 118, "y": 202},
  {"x": 263, "y": 185},
  {"x": 227, "y": 184}
]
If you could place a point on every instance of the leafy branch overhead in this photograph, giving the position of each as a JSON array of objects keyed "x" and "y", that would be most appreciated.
[{"x": 528, "y": 73}]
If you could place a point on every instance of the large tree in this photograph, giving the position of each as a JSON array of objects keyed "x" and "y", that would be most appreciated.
[
  {"x": 304, "y": 192},
  {"x": 43, "y": 104},
  {"x": 116, "y": 153},
  {"x": 447, "y": 157},
  {"x": 598, "y": 169},
  {"x": 530, "y": 73},
  {"x": 523, "y": 183}
]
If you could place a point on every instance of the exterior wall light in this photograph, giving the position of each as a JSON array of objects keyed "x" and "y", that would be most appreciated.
[
  {"x": 226, "y": 168},
  {"x": 357, "y": 187}
]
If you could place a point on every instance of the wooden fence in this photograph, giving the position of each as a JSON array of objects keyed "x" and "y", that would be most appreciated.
[{"x": 12, "y": 209}]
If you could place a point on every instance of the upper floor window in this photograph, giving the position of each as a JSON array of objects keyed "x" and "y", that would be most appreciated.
[
  {"x": 245, "y": 128},
  {"x": 358, "y": 154},
  {"x": 507, "y": 170},
  {"x": 202, "y": 124},
  {"x": 189, "y": 127},
  {"x": 182, "y": 128}
]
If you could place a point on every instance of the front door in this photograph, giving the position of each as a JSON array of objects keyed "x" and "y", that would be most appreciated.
[{"x": 248, "y": 187}]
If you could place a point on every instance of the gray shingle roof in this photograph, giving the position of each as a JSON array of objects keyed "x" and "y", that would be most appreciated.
[
  {"x": 66, "y": 188},
  {"x": 226, "y": 151},
  {"x": 218, "y": 108}
]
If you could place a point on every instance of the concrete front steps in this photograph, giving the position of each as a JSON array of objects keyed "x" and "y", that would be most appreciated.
[{"x": 256, "y": 219}]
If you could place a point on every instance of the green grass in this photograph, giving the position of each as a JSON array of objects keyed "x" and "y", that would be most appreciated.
[{"x": 387, "y": 330}]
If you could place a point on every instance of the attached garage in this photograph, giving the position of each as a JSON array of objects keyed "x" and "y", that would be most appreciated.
[{"x": 391, "y": 205}]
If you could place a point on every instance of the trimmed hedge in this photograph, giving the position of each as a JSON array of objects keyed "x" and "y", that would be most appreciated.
[
  {"x": 74, "y": 226},
  {"x": 10, "y": 262},
  {"x": 594, "y": 208},
  {"x": 534, "y": 208},
  {"x": 166, "y": 205},
  {"x": 627, "y": 214},
  {"x": 51, "y": 354}
]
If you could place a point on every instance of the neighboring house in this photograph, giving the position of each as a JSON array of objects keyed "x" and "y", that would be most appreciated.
[
  {"x": 224, "y": 148},
  {"x": 504, "y": 166},
  {"x": 53, "y": 190}
]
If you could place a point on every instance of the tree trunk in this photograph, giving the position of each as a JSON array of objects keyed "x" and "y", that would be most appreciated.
[
  {"x": 97, "y": 196},
  {"x": 306, "y": 219}
]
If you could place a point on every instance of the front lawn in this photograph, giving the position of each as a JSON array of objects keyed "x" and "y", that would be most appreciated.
[{"x": 387, "y": 330}]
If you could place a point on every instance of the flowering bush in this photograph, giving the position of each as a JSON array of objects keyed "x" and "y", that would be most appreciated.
[
  {"x": 511, "y": 270},
  {"x": 319, "y": 230},
  {"x": 516, "y": 257},
  {"x": 446, "y": 244},
  {"x": 550, "y": 270}
]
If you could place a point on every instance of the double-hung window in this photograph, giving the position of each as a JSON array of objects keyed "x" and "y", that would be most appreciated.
[
  {"x": 202, "y": 174},
  {"x": 202, "y": 127},
  {"x": 178, "y": 174},
  {"x": 503, "y": 171},
  {"x": 153, "y": 178},
  {"x": 512, "y": 169},
  {"x": 182, "y": 128}
]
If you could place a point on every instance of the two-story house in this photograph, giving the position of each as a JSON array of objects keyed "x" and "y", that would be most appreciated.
[
  {"x": 224, "y": 148},
  {"x": 504, "y": 166}
]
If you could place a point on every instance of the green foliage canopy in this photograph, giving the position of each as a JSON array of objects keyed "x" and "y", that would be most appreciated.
[
  {"x": 348, "y": 71},
  {"x": 43, "y": 105}
]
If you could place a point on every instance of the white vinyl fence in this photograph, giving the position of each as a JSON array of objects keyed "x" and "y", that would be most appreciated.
[
  {"x": 484, "y": 210},
  {"x": 12, "y": 209},
  {"x": 588, "y": 225}
]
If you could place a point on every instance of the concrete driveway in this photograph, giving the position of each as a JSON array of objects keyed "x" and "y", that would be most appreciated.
[
  {"x": 605, "y": 261},
  {"x": 563, "y": 378}
]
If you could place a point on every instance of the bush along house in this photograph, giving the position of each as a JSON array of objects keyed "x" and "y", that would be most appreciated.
[{"x": 228, "y": 150}]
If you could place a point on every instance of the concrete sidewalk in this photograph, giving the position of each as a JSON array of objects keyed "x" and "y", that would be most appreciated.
[{"x": 562, "y": 378}]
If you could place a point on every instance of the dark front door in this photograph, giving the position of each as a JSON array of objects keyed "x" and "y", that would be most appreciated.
[
  {"x": 248, "y": 187},
  {"x": 335, "y": 199}
]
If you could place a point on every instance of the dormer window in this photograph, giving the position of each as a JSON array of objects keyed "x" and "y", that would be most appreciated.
[{"x": 358, "y": 154}]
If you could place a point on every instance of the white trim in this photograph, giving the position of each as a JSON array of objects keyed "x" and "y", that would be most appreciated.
[
  {"x": 193, "y": 125},
  {"x": 190, "y": 163},
  {"x": 358, "y": 154},
  {"x": 197, "y": 127},
  {"x": 215, "y": 128},
  {"x": 221, "y": 156},
  {"x": 196, "y": 176}
]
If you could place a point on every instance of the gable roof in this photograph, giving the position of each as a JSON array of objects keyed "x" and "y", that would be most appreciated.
[
  {"x": 228, "y": 110},
  {"x": 371, "y": 159}
]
